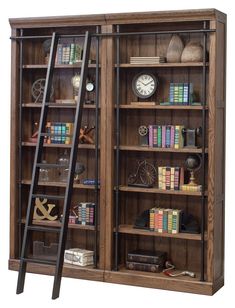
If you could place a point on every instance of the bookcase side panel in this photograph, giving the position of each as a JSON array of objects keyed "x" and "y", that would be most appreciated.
[
  {"x": 14, "y": 148},
  {"x": 220, "y": 151}
]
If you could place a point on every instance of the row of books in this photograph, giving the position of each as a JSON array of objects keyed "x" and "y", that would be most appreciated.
[
  {"x": 170, "y": 178},
  {"x": 68, "y": 53},
  {"x": 181, "y": 93},
  {"x": 164, "y": 220},
  {"x": 166, "y": 136},
  {"x": 83, "y": 214},
  {"x": 62, "y": 132}
]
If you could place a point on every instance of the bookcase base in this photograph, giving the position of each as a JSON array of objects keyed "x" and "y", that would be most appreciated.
[{"x": 127, "y": 277}]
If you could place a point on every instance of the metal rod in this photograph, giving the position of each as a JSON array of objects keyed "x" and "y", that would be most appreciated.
[
  {"x": 116, "y": 34},
  {"x": 202, "y": 278},
  {"x": 20, "y": 144},
  {"x": 35, "y": 172},
  {"x": 72, "y": 163},
  {"x": 117, "y": 150},
  {"x": 96, "y": 210}
]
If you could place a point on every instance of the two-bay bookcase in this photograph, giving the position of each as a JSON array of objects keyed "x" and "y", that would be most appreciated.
[{"x": 113, "y": 156}]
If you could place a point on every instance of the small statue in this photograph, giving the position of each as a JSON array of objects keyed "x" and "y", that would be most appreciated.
[
  {"x": 86, "y": 135},
  {"x": 34, "y": 136}
]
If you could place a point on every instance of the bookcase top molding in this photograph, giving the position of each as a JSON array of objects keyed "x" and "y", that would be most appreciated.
[{"x": 119, "y": 18}]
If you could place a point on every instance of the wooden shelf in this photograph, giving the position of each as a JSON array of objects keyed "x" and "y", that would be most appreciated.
[
  {"x": 60, "y": 66},
  {"x": 159, "y": 107},
  {"x": 59, "y": 184},
  {"x": 129, "y": 229},
  {"x": 57, "y": 145},
  {"x": 57, "y": 224},
  {"x": 155, "y": 190},
  {"x": 152, "y": 149},
  {"x": 58, "y": 105},
  {"x": 163, "y": 65}
]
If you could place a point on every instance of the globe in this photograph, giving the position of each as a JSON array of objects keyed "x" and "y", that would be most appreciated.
[{"x": 193, "y": 162}]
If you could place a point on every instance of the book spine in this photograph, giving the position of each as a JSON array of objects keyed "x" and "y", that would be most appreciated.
[
  {"x": 176, "y": 178},
  {"x": 164, "y": 178},
  {"x": 155, "y": 131},
  {"x": 181, "y": 183},
  {"x": 168, "y": 178},
  {"x": 160, "y": 221},
  {"x": 132, "y": 257},
  {"x": 71, "y": 55},
  {"x": 172, "y": 177},
  {"x": 160, "y": 177},
  {"x": 168, "y": 136},
  {"x": 165, "y": 221},
  {"x": 151, "y": 135},
  {"x": 159, "y": 136},
  {"x": 151, "y": 219},
  {"x": 154, "y": 268},
  {"x": 163, "y": 136},
  {"x": 177, "y": 136},
  {"x": 172, "y": 136},
  {"x": 176, "y": 221},
  {"x": 169, "y": 221},
  {"x": 156, "y": 219}
]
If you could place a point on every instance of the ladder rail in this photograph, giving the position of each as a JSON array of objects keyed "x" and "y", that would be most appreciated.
[
  {"x": 72, "y": 163},
  {"x": 38, "y": 154}
]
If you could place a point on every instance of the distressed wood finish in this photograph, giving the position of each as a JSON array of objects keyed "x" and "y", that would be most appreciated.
[{"x": 182, "y": 248}]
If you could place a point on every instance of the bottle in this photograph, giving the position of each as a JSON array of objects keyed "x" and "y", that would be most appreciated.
[
  {"x": 63, "y": 170},
  {"x": 44, "y": 173}
]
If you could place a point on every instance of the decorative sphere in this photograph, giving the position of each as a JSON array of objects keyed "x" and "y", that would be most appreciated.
[{"x": 193, "y": 162}]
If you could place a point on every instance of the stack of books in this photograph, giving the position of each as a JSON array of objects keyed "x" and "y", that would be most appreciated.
[
  {"x": 181, "y": 93},
  {"x": 148, "y": 261},
  {"x": 62, "y": 132},
  {"x": 68, "y": 53},
  {"x": 147, "y": 60},
  {"x": 85, "y": 211},
  {"x": 78, "y": 256},
  {"x": 170, "y": 178},
  {"x": 166, "y": 136},
  {"x": 165, "y": 220}
]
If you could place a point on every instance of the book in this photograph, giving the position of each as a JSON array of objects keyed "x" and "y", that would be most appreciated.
[
  {"x": 151, "y": 135},
  {"x": 146, "y": 256},
  {"x": 176, "y": 218},
  {"x": 146, "y": 267},
  {"x": 77, "y": 256}
]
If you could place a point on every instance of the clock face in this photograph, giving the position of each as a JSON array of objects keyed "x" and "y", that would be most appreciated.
[
  {"x": 144, "y": 85},
  {"x": 90, "y": 86}
]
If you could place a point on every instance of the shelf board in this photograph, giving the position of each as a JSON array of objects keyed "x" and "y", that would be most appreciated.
[
  {"x": 159, "y": 191},
  {"x": 44, "y": 66},
  {"x": 163, "y": 65},
  {"x": 57, "y": 145},
  {"x": 57, "y": 224},
  {"x": 59, "y": 184},
  {"x": 58, "y": 105},
  {"x": 170, "y": 107},
  {"x": 152, "y": 149},
  {"x": 129, "y": 229}
]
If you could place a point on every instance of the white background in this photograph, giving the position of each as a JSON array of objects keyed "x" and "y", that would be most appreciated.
[{"x": 88, "y": 293}]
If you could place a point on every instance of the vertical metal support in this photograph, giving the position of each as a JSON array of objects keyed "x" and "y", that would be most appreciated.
[
  {"x": 20, "y": 143},
  {"x": 202, "y": 278},
  {"x": 37, "y": 158},
  {"x": 72, "y": 163},
  {"x": 96, "y": 210},
  {"x": 117, "y": 150}
]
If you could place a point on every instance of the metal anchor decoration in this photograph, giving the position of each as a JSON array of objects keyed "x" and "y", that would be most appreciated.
[{"x": 45, "y": 209}]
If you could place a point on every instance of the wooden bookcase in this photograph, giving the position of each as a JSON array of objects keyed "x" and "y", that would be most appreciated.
[{"x": 118, "y": 145}]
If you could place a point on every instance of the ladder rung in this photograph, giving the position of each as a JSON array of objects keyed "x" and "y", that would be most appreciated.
[
  {"x": 40, "y": 261},
  {"x": 55, "y": 135},
  {"x": 44, "y": 229},
  {"x": 51, "y": 197},
  {"x": 41, "y": 165}
]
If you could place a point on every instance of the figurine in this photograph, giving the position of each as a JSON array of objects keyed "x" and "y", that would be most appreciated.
[
  {"x": 145, "y": 175},
  {"x": 86, "y": 135}
]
